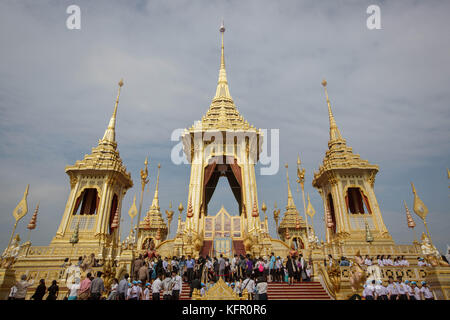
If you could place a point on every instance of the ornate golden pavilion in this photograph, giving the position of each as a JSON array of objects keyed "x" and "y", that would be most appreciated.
[{"x": 222, "y": 144}]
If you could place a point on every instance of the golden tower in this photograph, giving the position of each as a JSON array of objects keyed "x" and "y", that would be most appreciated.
[
  {"x": 98, "y": 184},
  {"x": 222, "y": 144},
  {"x": 152, "y": 227},
  {"x": 345, "y": 183},
  {"x": 292, "y": 223}
]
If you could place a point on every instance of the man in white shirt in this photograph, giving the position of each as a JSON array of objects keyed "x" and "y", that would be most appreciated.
[
  {"x": 401, "y": 287},
  {"x": 416, "y": 291},
  {"x": 368, "y": 292},
  {"x": 147, "y": 291},
  {"x": 367, "y": 261},
  {"x": 135, "y": 292},
  {"x": 379, "y": 290},
  {"x": 392, "y": 289},
  {"x": 177, "y": 286},
  {"x": 156, "y": 288},
  {"x": 409, "y": 290},
  {"x": 167, "y": 287},
  {"x": 426, "y": 292},
  {"x": 248, "y": 285}
]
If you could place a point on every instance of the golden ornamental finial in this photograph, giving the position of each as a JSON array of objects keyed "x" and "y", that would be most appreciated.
[
  {"x": 180, "y": 207},
  {"x": 110, "y": 133},
  {"x": 334, "y": 130},
  {"x": 155, "y": 202}
]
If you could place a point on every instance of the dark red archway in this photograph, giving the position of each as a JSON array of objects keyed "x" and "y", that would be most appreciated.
[{"x": 218, "y": 167}]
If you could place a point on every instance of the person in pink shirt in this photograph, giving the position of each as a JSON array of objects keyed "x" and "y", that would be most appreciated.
[{"x": 85, "y": 288}]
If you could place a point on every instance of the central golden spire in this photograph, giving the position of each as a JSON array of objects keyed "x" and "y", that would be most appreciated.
[
  {"x": 155, "y": 202},
  {"x": 334, "y": 131},
  {"x": 291, "y": 203},
  {"x": 222, "y": 90},
  {"x": 110, "y": 133}
]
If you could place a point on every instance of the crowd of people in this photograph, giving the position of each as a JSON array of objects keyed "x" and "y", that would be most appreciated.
[
  {"x": 397, "y": 290},
  {"x": 154, "y": 278},
  {"x": 385, "y": 261}
]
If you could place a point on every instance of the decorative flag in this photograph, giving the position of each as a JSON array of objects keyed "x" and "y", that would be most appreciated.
[
  {"x": 32, "y": 223},
  {"x": 409, "y": 218},
  {"x": 22, "y": 208},
  {"x": 310, "y": 209},
  {"x": 133, "y": 210},
  {"x": 419, "y": 207}
]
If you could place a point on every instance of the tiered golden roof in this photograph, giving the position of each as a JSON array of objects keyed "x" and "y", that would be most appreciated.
[
  {"x": 105, "y": 156},
  {"x": 153, "y": 218},
  {"x": 339, "y": 155},
  {"x": 292, "y": 217},
  {"x": 222, "y": 113}
]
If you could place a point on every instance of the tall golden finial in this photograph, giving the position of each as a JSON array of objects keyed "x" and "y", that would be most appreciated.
[
  {"x": 110, "y": 133},
  {"x": 222, "y": 56},
  {"x": 155, "y": 202},
  {"x": 222, "y": 90},
  {"x": 144, "y": 181},
  {"x": 290, "y": 198},
  {"x": 334, "y": 131}
]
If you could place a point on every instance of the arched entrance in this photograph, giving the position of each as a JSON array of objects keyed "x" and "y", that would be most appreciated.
[{"x": 222, "y": 166}]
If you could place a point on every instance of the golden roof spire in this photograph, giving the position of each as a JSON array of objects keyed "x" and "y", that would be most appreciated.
[
  {"x": 110, "y": 133},
  {"x": 222, "y": 90},
  {"x": 334, "y": 131},
  {"x": 290, "y": 198},
  {"x": 155, "y": 203}
]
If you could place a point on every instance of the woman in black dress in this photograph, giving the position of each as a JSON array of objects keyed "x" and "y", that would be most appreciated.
[
  {"x": 53, "y": 291},
  {"x": 291, "y": 267},
  {"x": 40, "y": 291}
]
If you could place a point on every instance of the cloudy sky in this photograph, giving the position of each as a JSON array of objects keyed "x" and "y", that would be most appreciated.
[{"x": 389, "y": 91}]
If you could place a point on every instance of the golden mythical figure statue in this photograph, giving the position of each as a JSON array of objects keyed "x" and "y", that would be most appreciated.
[
  {"x": 357, "y": 273},
  {"x": 10, "y": 254},
  {"x": 432, "y": 254}
]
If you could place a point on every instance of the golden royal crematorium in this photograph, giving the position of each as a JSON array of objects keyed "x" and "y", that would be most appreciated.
[{"x": 91, "y": 222}]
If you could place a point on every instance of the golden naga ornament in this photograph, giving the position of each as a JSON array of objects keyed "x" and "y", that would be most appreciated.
[
  {"x": 419, "y": 207},
  {"x": 75, "y": 238},
  {"x": 276, "y": 214},
  {"x": 287, "y": 235},
  {"x": 169, "y": 214},
  {"x": 158, "y": 234}
]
